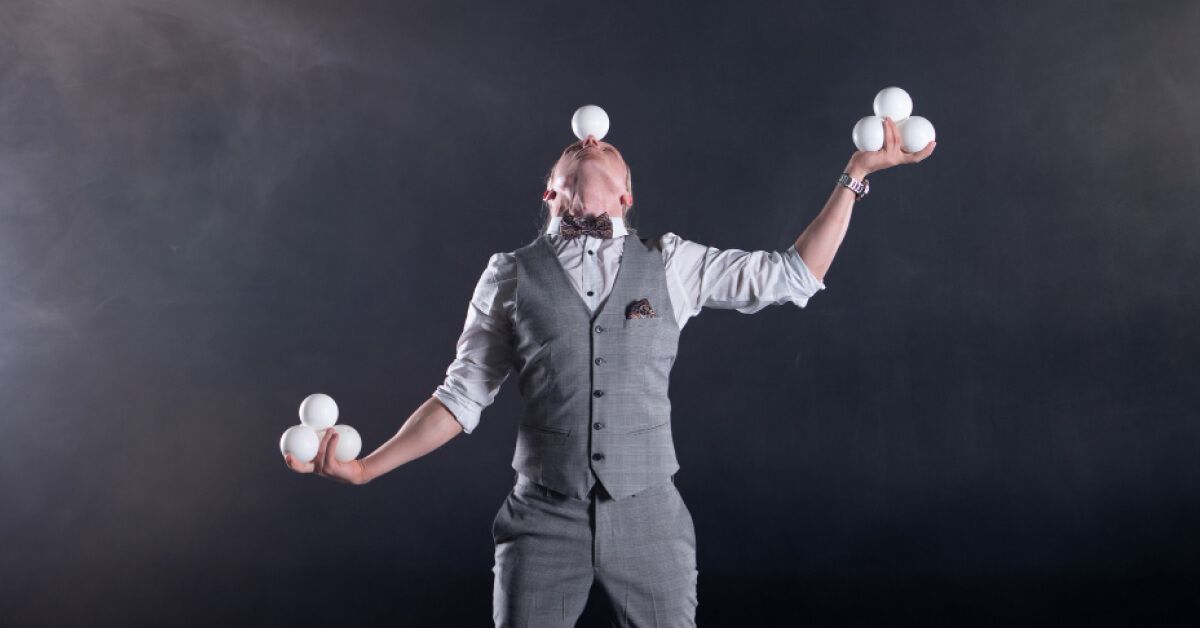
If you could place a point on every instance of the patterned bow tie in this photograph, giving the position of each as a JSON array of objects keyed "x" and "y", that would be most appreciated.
[{"x": 595, "y": 226}]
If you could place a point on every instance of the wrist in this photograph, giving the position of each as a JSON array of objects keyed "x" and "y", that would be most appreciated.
[
  {"x": 364, "y": 474},
  {"x": 856, "y": 171},
  {"x": 855, "y": 183}
]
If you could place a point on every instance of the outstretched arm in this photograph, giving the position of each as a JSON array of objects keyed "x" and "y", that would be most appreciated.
[
  {"x": 821, "y": 239},
  {"x": 482, "y": 363},
  {"x": 426, "y": 430}
]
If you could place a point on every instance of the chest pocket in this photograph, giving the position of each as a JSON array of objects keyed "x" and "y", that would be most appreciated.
[{"x": 648, "y": 323}]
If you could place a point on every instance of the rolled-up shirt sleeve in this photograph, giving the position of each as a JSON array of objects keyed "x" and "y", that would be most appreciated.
[
  {"x": 800, "y": 282},
  {"x": 484, "y": 354},
  {"x": 746, "y": 281}
]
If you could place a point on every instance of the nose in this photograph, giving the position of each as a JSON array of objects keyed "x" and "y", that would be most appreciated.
[{"x": 590, "y": 141}]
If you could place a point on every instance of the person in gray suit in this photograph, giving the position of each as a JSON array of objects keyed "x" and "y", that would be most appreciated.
[{"x": 589, "y": 315}]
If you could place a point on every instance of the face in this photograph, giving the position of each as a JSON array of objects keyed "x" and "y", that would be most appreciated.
[{"x": 589, "y": 178}]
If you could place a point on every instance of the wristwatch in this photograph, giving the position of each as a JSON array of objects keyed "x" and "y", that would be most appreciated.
[{"x": 860, "y": 188}]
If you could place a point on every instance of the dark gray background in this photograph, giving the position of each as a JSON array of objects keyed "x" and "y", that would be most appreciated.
[{"x": 212, "y": 209}]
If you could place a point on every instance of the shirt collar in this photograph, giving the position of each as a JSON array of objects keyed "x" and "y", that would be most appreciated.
[{"x": 618, "y": 226}]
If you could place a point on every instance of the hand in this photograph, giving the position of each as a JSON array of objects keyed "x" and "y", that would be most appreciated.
[
  {"x": 892, "y": 154},
  {"x": 327, "y": 465}
]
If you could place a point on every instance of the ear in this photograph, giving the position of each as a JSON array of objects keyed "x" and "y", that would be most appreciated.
[
  {"x": 549, "y": 195},
  {"x": 626, "y": 200}
]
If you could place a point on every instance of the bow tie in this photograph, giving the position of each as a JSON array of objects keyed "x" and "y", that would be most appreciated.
[{"x": 595, "y": 226}]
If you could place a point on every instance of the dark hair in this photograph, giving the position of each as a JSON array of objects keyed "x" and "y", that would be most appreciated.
[{"x": 543, "y": 218}]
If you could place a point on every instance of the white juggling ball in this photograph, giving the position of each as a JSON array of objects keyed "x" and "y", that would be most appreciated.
[
  {"x": 349, "y": 443},
  {"x": 589, "y": 120},
  {"x": 868, "y": 134},
  {"x": 894, "y": 103},
  {"x": 915, "y": 133},
  {"x": 318, "y": 411},
  {"x": 301, "y": 442}
]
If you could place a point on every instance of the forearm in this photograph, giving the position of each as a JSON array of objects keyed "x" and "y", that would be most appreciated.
[
  {"x": 427, "y": 429},
  {"x": 820, "y": 240}
]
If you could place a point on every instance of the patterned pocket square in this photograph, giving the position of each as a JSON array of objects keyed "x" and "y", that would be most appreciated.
[{"x": 640, "y": 309}]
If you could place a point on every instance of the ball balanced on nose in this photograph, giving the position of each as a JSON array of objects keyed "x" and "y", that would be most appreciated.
[{"x": 590, "y": 120}]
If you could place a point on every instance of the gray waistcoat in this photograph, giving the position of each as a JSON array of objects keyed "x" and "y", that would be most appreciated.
[{"x": 595, "y": 388}]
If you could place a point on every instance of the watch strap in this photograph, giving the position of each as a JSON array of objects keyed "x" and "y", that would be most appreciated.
[{"x": 859, "y": 188}]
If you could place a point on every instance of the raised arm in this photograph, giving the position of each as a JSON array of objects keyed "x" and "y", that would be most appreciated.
[
  {"x": 821, "y": 239},
  {"x": 748, "y": 281},
  {"x": 819, "y": 242}
]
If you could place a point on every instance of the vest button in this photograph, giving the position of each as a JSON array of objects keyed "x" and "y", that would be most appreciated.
[
  {"x": 599, "y": 329},
  {"x": 598, "y": 426},
  {"x": 599, "y": 360},
  {"x": 597, "y": 393},
  {"x": 599, "y": 456}
]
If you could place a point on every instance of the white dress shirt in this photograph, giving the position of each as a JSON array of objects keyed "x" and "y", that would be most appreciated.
[{"x": 697, "y": 276}]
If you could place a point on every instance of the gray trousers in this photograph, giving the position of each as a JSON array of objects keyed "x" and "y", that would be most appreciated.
[{"x": 550, "y": 548}]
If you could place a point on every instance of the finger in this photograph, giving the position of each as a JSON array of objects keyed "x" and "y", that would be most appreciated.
[
  {"x": 297, "y": 466},
  {"x": 923, "y": 153},
  {"x": 889, "y": 136},
  {"x": 330, "y": 452},
  {"x": 319, "y": 461}
]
